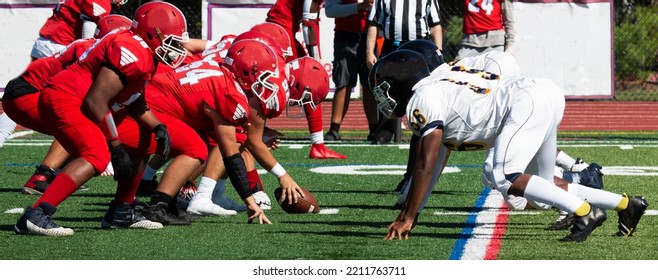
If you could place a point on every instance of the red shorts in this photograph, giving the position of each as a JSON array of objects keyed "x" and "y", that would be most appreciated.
[
  {"x": 139, "y": 140},
  {"x": 60, "y": 113},
  {"x": 24, "y": 110}
]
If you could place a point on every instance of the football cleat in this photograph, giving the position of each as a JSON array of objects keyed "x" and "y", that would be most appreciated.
[
  {"x": 202, "y": 205},
  {"x": 592, "y": 176},
  {"x": 158, "y": 213},
  {"x": 262, "y": 200},
  {"x": 39, "y": 221},
  {"x": 564, "y": 221},
  {"x": 332, "y": 136},
  {"x": 585, "y": 225},
  {"x": 320, "y": 151},
  {"x": 124, "y": 216},
  {"x": 578, "y": 166},
  {"x": 185, "y": 194},
  {"x": 630, "y": 217},
  {"x": 38, "y": 182}
]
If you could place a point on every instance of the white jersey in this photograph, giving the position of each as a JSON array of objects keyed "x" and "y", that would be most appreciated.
[
  {"x": 500, "y": 63},
  {"x": 469, "y": 104}
]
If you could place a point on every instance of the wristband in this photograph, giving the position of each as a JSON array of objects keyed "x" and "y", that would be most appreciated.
[
  {"x": 108, "y": 127},
  {"x": 278, "y": 170}
]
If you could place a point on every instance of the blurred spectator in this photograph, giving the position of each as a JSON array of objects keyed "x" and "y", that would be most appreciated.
[
  {"x": 351, "y": 17},
  {"x": 400, "y": 22},
  {"x": 488, "y": 25}
]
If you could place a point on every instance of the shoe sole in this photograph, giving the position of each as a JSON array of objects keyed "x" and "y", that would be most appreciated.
[
  {"x": 146, "y": 224},
  {"x": 29, "y": 191},
  {"x": 35, "y": 230}
]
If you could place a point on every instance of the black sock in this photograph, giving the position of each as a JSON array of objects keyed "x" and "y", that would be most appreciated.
[
  {"x": 372, "y": 127},
  {"x": 158, "y": 197},
  {"x": 334, "y": 127}
]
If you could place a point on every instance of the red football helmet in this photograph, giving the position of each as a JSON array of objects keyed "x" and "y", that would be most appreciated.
[
  {"x": 255, "y": 66},
  {"x": 309, "y": 82},
  {"x": 163, "y": 27},
  {"x": 262, "y": 37},
  {"x": 278, "y": 33},
  {"x": 109, "y": 23}
]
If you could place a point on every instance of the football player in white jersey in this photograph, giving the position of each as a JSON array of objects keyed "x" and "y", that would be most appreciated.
[
  {"x": 503, "y": 64},
  {"x": 466, "y": 109}
]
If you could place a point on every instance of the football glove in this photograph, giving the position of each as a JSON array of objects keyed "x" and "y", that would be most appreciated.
[
  {"x": 122, "y": 163},
  {"x": 163, "y": 140}
]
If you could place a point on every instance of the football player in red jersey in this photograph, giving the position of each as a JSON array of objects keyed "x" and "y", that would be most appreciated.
[
  {"x": 71, "y": 20},
  {"x": 75, "y": 106},
  {"x": 22, "y": 96},
  {"x": 289, "y": 14},
  {"x": 207, "y": 98}
]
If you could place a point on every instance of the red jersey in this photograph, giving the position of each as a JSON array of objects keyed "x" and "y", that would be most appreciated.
[
  {"x": 288, "y": 13},
  {"x": 120, "y": 50},
  {"x": 354, "y": 23},
  {"x": 41, "y": 70},
  {"x": 482, "y": 16},
  {"x": 182, "y": 94},
  {"x": 65, "y": 25}
]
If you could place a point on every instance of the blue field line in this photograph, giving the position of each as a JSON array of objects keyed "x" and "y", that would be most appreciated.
[{"x": 458, "y": 250}]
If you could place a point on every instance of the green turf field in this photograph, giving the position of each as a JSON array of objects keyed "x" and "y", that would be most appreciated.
[{"x": 363, "y": 202}]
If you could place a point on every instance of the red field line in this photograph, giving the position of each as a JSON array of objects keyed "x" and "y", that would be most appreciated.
[{"x": 578, "y": 115}]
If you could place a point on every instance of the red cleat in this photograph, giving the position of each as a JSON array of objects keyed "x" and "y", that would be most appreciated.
[{"x": 320, "y": 151}]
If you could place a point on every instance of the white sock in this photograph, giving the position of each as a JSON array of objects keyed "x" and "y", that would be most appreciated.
[
  {"x": 564, "y": 161},
  {"x": 539, "y": 189},
  {"x": 317, "y": 137},
  {"x": 206, "y": 186},
  {"x": 149, "y": 173},
  {"x": 599, "y": 198},
  {"x": 7, "y": 126}
]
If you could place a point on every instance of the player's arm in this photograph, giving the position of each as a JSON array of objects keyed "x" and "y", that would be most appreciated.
[
  {"x": 234, "y": 163},
  {"x": 508, "y": 23},
  {"x": 430, "y": 144},
  {"x": 143, "y": 114},
  {"x": 106, "y": 86},
  {"x": 195, "y": 45},
  {"x": 311, "y": 28},
  {"x": 263, "y": 155},
  {"x": 371, "y": 44}
]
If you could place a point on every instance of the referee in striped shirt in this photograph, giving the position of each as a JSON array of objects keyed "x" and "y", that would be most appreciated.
[{"x": 400, "y": 21}]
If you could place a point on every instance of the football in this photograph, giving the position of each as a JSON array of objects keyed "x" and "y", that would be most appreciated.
[{"x": 306, "y": 204}]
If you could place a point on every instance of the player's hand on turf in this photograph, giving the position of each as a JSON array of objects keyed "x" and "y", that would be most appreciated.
[
  {"x": 122, "y": 163},
  {"x": 254, "y": 212},
  {"x": 399, "y": 229},
  {"x": 163, "y": 140},
  {"x": 290, "y": 190}
]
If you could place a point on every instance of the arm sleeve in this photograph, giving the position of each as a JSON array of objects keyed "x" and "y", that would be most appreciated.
[
  {"x": 94, "y": 10},
  {"x": 508, "y": 21},
  {"x": 335, "y": 9}
]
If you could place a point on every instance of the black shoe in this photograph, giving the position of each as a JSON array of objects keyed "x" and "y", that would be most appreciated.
[
  {"x": 158, "y": 213},
  {"x": 585, "y": 225},
  {"x": 332, "y": 136},
  {"x": 630, "y": 217},
  {"x": 124, "y": 216},
  {"x": 147, "y": 187},
  {"x": 562, "y": 224},
  {"x": 371, "y": 137},
  {"x": 592, "y": 176},
  {"x": 39, "y": 221},
  {"x": 383, "y": 137}
]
